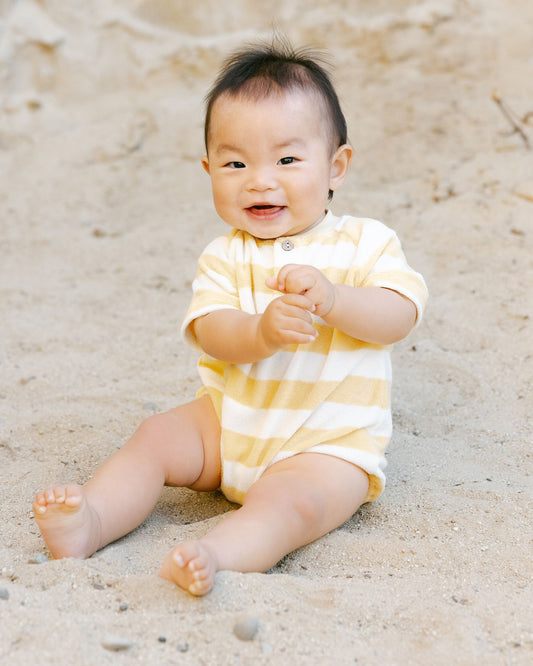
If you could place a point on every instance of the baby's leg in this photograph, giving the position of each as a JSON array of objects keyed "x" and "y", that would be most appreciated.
[
  {"x": 179, "y": 448},
  {"x": 296, "y": 501}
]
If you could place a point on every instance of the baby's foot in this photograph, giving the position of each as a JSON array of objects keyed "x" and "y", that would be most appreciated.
[
  {"x": 69, "y": 525},
  {"x": 192, "y": 566}
]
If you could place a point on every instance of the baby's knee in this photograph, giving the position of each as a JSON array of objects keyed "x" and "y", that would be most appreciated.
[
  {"x": 301, "y": 503},
  {"x": 310, "y": 505},
  {"x": 153, "y": 431}
]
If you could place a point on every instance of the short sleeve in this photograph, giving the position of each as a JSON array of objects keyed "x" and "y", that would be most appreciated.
[
  {"x": 382, "y": 263},
  {"x": 214, "y": 287}
]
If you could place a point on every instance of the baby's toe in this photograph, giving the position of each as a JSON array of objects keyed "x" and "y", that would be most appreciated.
[
  {"x": 39, "y": 498},
  {"x": 53, "y": 495},
  {"x": 200, "y": 587},
  {"x": 189, "y": 553},
  {"x": 49, "y": 496},
  {"x": 197, "y": 565},
  {"x": 59, "y": 494},
  {"x": 200, "y": 575},
  {"x": 73, "y": 495},
  {"x": 39, "y": 504}
]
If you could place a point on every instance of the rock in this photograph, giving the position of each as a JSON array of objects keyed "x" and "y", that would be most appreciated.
[
  {"x": 116, "y": 643},
  {"x": 37, "y": 558},
  {"x": 246, "y": 627},
  {"x": 4, "y": 594}
]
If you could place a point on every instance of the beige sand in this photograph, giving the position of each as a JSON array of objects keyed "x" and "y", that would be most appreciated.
[{"x": 104, "y": 208}]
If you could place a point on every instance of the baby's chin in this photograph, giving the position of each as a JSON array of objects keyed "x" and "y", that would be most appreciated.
[{"x": 268, "y": 229}]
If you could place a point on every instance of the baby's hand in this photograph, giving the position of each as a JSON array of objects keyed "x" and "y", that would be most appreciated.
[
  {"x": 306, "y": 281},
  {"x": 287, "y": 321}
]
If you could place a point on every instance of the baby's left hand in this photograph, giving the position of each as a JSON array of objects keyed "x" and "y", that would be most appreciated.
[{"x": 308, "y": 281}]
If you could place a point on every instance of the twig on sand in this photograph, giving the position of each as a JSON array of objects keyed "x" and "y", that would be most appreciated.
[{"x": 514, "y": 120}]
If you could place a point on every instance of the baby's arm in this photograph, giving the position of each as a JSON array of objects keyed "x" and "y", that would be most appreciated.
[
  {"x": 237, "y": 337},
  {"x": 372, "y": 314}
]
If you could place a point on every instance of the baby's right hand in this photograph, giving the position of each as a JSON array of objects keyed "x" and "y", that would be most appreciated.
[{"x": 287, "y": 320}]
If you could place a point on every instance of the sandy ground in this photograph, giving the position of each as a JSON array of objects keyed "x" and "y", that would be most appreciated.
[{"x": 104, "y": 209}]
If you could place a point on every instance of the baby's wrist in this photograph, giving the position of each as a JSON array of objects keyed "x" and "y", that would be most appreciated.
[
  {"x": 265, "y": 347},
  {"x": 330, "y": 303}
]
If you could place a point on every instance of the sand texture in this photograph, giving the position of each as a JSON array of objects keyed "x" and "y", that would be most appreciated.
[{"x": 104, "y": 209}]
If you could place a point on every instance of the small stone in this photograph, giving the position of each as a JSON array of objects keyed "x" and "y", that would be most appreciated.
[
  {"x": 162, "y": 639},
  {"x": 37, "y": 558},
  {"x": 116, "y": 643},
  {"x": 246, "y": 627},
  {"x": 182, "y": 647},
  {"x": 4, "y": 594},
  {"x": 123, "y": 607}
]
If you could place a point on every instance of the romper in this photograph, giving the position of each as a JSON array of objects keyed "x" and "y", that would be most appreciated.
[{"x": 330, "y": 396}]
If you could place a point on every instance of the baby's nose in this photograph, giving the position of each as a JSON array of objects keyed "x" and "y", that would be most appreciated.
[{"x": 261, "y": 180}]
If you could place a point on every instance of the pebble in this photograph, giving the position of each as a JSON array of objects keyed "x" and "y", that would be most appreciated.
[
  {"x": 182, "y": 647},
  {"x": 37, "y": 558},
  {"x": 116, "y": 643},
  {"x": 246, "y": 627},
  {"x": 4, "y": 594}
]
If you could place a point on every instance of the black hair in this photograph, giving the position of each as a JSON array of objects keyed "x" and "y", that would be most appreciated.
[{"x": 261, "y": 69}]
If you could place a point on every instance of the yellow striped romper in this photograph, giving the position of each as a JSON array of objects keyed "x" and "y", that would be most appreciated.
[{"x": 330, "y": 396}]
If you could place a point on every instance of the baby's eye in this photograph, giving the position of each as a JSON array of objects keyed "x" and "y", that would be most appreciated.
[
  {"x": 287, "y": 160},
  {"x": 235, "y": 165}
]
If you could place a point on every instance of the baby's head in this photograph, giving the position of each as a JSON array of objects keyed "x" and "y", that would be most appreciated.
[
  {"x": 276, "y": 141},
  {"x": 264, "y": 70}
]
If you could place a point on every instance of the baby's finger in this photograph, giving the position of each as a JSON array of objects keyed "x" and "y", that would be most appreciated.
[
  {"x": 272, "y": 283},
  {"x": 299, "y": 301},
  {"x": 296, "y": 338},
  {"x": 298, "y": 321},
  {"x": 282, "y": 275},
  {"x": 299, "y": 282}
]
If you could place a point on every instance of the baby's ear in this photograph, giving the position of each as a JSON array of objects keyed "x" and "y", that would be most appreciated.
[
  {"x": 339, "y": 166},
  {"x": 205, "y": 163}
]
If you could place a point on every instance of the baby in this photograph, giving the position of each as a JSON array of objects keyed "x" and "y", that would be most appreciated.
[{"x": 295, "y": 311}]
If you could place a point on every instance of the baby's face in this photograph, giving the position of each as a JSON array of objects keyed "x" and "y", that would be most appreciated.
[{"x": 271, "y": 162}]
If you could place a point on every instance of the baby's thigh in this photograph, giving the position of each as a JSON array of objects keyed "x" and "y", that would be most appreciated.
[
  {"x": 187, "y": 441},
  {"x": 324, "y": 489},
  {"x": 203, "y": 419}
]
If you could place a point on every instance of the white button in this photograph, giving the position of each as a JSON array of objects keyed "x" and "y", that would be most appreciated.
[{"x": 287, "y": 245}]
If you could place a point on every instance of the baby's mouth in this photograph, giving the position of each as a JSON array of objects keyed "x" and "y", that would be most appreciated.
[{"x": 264, "y": 210}]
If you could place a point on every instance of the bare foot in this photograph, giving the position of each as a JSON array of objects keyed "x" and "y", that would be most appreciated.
[
  {"x": 70, "y": 527},
  {"x": 192, "y": 566}
]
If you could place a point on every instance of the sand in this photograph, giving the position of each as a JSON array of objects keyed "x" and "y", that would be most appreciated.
[{"x": 104, "y": 208}]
